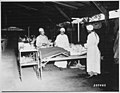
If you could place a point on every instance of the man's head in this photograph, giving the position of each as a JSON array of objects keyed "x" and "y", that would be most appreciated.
[
  {"x": 62, "y": 31},
  {"x": 41, "y": 30},
  {"x": 90, "y": 28}
]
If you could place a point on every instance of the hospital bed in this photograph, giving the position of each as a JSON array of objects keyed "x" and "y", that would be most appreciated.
[
  {"x": 56, "y": 54},
  {"x": 42, "y": 56}
]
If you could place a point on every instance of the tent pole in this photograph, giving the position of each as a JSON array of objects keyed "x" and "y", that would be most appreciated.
[
  {"x": 6, "y": 20},
  {"x": 28, "y": 31},
  {"x": 78, "y": 32}
]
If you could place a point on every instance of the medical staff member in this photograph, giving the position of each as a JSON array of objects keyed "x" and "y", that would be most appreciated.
[
  {"x": 93, "y": 53},
  {"x": 42, "y": 40},
  {"x": 62, "y": 40}
]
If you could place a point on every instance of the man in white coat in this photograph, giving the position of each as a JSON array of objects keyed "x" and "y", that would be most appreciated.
[
  {"x": 42, "y": 40},
  {"x": 63, "y": 42},
  {"x": 93, "y": 53}
]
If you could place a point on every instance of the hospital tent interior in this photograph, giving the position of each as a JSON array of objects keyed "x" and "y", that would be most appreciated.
[{"x": 20, "y": 19}]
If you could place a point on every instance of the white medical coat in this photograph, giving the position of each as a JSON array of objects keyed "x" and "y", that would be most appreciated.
[
  {"x": 41, "y": 40},
  {"x": 93, "y": 53},
  {"x": 62, "y": 41}
]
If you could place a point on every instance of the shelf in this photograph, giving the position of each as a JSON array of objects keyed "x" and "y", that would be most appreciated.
[{"x": 29, "y": 63}]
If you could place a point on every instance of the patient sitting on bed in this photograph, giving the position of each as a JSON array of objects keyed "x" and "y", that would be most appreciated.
[{"x": 42, "y": 40}]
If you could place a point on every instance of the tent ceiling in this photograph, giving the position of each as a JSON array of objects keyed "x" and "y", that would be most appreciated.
[{"x": 49, "y": 13}]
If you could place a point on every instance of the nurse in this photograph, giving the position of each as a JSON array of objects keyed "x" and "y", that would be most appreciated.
[
  {"x": 42, "y": 40},
  {"x": 62, "y": 40},
  {"x": 93, "y": 53}
]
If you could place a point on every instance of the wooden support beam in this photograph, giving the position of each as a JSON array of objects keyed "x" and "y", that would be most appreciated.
[
  {"x": 27, "y": 7},
  {"x": 100, "y": 7},
  {"x": 50, "y": 20},
  {"x": 62, "y": 13},
  {"x": 67, "y": 5}
]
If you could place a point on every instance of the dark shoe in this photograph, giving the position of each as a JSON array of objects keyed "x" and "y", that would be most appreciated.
[{"x": 83, "y": 75}]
